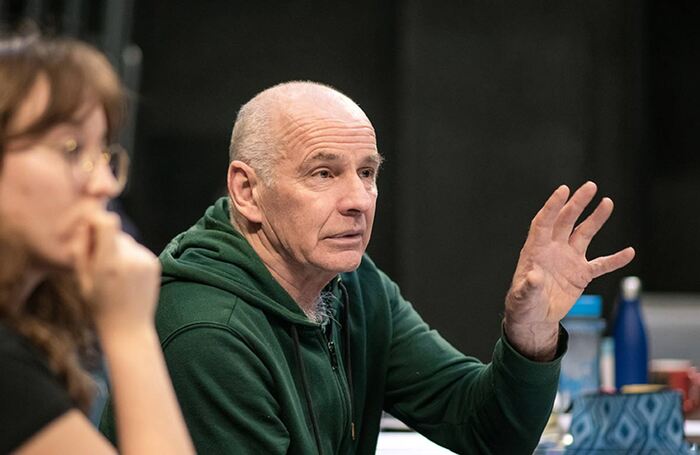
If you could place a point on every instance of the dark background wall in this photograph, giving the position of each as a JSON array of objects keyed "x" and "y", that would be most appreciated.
[
  {"x": 501, "y": 103},
  {"x": 481, "y": 108},
  {"x": 203, "y": 61}
]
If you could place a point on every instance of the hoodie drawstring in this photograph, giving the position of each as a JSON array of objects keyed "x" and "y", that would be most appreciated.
[
  {"x": 307, "y": 393},
  {"x": 347, "y": 352}
]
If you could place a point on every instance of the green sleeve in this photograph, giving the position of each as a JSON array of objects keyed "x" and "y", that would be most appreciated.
[
  {"x": 459, "y": 402},
  {"x": 224, "y": 392}
]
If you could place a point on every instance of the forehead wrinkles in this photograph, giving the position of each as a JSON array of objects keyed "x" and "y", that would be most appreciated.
[{"x": 311, "y": 131}]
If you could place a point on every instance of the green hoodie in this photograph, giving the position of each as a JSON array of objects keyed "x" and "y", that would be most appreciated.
[{"x": 255, "y": 376}]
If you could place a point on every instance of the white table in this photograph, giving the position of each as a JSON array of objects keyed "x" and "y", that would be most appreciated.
[
  {"x": 407, "y": 443},
  {"x": 412, "y": 443}
]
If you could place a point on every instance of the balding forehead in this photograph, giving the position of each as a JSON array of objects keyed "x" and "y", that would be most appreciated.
[
  {"x": 314, "y": 129},
  {"x": 308, "y": 99}
]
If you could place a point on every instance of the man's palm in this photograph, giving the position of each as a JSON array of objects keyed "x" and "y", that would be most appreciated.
[{"x": 553, "y": 271}]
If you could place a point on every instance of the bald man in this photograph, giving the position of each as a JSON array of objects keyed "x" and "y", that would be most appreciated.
[{"x": 283, "y": 337}]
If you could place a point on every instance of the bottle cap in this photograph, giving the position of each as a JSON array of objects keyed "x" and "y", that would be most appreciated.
[
  {"x": 587, "y": 306},
  {"x": 631, "y": 287}
]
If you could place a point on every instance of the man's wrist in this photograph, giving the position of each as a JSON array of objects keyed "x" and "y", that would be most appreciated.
[{"x": 537, "y": 341}]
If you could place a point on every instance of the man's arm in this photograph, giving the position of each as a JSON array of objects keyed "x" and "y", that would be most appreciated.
[
  {"x": 553, "y": 271},
  {"x": 502, "y": 407},
  {"x": 459, "y": 402}
]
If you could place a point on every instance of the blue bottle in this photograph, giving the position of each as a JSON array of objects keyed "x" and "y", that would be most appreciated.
[{"x": 631, "y": 354}]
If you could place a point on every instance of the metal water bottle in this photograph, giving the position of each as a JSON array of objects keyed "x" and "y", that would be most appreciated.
[{"x": 631, "y": 354}]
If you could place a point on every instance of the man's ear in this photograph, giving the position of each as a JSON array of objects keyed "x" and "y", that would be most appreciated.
[{"x": 242, "y": 190}]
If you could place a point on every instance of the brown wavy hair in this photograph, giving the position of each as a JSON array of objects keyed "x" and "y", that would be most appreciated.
[{"x": 54, "y": 317}]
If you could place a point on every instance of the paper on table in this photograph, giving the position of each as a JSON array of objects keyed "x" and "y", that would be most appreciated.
[{"x": 407, "y": 443}]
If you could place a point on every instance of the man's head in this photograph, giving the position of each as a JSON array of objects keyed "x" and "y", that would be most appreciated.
[{"x": 302, "y": 178}]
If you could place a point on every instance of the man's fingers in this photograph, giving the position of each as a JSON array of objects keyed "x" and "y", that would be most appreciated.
[
  {"x": 584, "y": 233},
  {"x": 606, "y": 264},
  {"x": 545, "y": 218},
  {"x": 568, "y": 215}
]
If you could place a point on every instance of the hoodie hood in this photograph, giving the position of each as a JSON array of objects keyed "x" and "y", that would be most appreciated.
[{"x": 214, "y": 253}]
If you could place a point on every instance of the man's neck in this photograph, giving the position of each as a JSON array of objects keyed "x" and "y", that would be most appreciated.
[{"x": 304, "y": 286}]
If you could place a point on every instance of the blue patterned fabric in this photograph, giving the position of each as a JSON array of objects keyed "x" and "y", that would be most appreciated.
[{"x": 643, "y": 423}]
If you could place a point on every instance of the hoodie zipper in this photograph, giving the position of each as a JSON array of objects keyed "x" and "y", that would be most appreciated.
[
  {"x": 341, "y": 382},
  {"x": 334, "y": 355}
]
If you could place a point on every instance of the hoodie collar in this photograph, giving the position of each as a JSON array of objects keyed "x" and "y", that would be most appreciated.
[{"x": 214, "y": 253}]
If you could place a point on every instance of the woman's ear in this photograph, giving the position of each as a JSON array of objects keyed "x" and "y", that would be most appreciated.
[{"x": 242, "y": 182}]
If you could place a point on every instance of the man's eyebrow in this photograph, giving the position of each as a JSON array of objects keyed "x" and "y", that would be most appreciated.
[
  {"x": 374, "y": 159},
  {"x": 322, "y": 156}
]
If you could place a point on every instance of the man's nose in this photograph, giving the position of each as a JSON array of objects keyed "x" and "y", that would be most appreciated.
[{"x": 357, "y": 197}]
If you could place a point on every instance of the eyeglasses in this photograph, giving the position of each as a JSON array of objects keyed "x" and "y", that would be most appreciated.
[{"x": 84, "y": 162}]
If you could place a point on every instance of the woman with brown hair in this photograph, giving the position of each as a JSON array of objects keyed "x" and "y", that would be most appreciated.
[{"x": 68, "y": 272}]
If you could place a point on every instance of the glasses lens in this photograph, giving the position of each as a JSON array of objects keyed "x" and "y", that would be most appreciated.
[
  {"x": 118, "y": 161},
  {"x": 119, "y": 164}
]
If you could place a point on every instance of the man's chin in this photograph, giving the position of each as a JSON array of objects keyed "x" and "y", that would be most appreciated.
[{"x": 343, "y": 263}]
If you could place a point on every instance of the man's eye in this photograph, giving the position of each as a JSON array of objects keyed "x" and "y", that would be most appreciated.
[
  {"x": 368, "y": 173},
  {"x": 323, "y": 173}
]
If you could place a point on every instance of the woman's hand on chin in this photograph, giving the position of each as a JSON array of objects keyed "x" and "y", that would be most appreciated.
[{"x": 118, "y": 276}]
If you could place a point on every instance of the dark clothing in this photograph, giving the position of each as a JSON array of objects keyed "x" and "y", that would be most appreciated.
[
  {"x": 254, "y": 375},
  {"x": 31, "y": 396}
]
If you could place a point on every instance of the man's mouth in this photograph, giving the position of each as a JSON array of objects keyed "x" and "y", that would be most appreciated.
[{"x": 348, "y": 234}]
